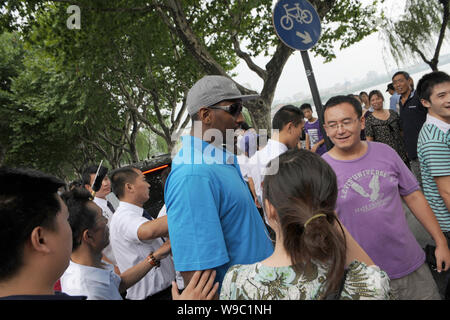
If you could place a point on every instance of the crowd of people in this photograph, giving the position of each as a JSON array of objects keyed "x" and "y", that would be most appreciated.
[{"x": 269, "y": 219}]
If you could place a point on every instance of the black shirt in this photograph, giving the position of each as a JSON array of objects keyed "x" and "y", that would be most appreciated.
[{"x": 412, "y": 117}]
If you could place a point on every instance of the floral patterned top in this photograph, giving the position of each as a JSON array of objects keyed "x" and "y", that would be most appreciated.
[
  {"x": 388, "y": 132},
  {"x": 260, "y": 282}
]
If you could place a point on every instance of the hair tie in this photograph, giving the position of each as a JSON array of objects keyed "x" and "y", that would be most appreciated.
[{"x": 313, "y": 217}]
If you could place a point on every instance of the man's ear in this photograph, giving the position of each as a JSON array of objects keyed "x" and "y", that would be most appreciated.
[
  {"x": 86, "y": 236},
  {"x": 129, "y": 187},
  {"x": 38, "y": 240},
  {"x": 205, "y": 115},
  {"x": 363, "y": 122},
  {"x": 425, "y": 103},
  {"x": 287, "y": 128}
]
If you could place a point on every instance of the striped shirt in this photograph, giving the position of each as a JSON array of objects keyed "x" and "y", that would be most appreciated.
[{"x": 433, "y": 148}]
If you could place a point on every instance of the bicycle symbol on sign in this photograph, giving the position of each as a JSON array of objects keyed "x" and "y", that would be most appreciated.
[{"x": 301, "y": 16}]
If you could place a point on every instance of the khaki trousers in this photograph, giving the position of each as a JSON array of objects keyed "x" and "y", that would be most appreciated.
[{"x": 419, "y": 285}]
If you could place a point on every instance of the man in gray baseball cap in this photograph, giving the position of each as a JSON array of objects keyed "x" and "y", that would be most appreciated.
[
  {"x": 211, "y": 90},
  {"x": 215, "y": 103},
  {"x": 213, "y": 221}
]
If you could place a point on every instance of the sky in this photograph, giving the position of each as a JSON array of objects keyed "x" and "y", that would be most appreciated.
[{"x": 349, "y": 65}]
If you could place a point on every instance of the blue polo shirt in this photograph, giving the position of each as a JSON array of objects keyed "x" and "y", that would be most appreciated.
[{"x": 213, "y": 221}]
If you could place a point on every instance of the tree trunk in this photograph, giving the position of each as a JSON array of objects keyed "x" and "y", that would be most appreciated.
[
  {"x": 445, "y": 21},
  {"x": 132, "y": 140},
  {"x": 259, "y": 109}
]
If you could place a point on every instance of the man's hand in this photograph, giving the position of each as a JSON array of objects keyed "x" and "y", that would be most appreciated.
[
  {"x": 163, "y": 251},
  {"x": 201, "y": 287},
  {"x": 257, "y": 204},
  {"x": 442, "y": 254},
  {"x": 317, "y": 145}
]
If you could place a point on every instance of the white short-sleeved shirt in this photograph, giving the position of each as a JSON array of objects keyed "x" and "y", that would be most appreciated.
[
  {"x": 129, "y": 251},
  {"x": 95, "y": 283},
  {"x": 107, "y": 213},
  {"x": 243, "y": 161},
  {"x": 257, "y": 164},
  {"x": 179, "y": 278}
]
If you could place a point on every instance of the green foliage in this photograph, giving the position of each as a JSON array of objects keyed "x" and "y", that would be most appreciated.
[
  {"x": 132, "y": 54},
  {"x": 414, "y": 34},
  {"x": 37, "y": 134},
  {"x": 11, "y": 52},
  {"x": 49, "y": 111},
  {"x": 117, "y": 84},
  {"x": 79, "y": 83}
]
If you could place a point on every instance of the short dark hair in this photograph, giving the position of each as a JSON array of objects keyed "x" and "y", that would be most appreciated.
[
  {"x": 334, "y": 101},
  {"x": 121, "y": 176},
  {"x": 80, "y": 216},
  {"x": 362, "y": 93},
  {"x": 427, "y": 82},
  {"x": 404, "y": 73},
  {"x": 92, "y": 169},
  {"x": 305, "y": 106},
  {"x": 245, "y": 126},
  {"x": 286, "y": 114},
  {"x": 28, "y": 199},
  {"x": 75, "y": 184}
]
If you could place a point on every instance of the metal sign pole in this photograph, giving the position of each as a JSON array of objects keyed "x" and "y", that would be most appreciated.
[
  {"x": 297, "y": 24},
  {"x": 315, "y": 95}
]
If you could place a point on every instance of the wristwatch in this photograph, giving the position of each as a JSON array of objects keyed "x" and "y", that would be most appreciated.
[{"x": 152, "y": 260}]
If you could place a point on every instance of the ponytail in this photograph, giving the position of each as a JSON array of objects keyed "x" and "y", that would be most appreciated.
[
  {"x": 319, "y": 241},
  {"x": 304, "y": 193}
]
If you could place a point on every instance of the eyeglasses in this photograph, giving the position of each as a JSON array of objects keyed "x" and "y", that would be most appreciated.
[
  {"x": 346, "y": 124},
  {"x": 234, "y": 109}
]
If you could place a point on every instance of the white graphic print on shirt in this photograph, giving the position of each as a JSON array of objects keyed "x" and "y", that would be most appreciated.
[
  {"x": 313, "y": 136},
  {"x": 371, "y": 192}
]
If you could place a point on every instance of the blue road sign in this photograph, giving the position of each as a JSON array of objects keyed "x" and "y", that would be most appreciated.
[{"x": 296, "y": 23}]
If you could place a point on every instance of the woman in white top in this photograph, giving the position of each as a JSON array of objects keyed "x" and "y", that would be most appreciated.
[
  {"x": 88, "y": 275},
  {"x": 312, "y": 248}
]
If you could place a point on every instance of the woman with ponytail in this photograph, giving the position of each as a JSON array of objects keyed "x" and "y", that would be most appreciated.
[{"x": 315, "y": 257}]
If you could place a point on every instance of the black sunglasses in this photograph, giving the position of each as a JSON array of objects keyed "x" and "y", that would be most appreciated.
[{"x": 234, "y": 109}]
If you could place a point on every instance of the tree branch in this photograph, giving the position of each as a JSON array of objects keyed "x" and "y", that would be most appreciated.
[
  {"x": 111, "y": 142},
  {"x": 445, "y": 20},
  {"x": 95, "y": 145},
  {"x": 274, "y": 69},
  {"x": 180, "y": 113},
  {"x": 248, "y": 60},
  {"x": 146, "y": 122},
  {"x": 237, "y": 47},
  {"x": 143, "y": 9},
  {"x": 424, "y": 58},
  {"x": 187, "y": 36}
]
